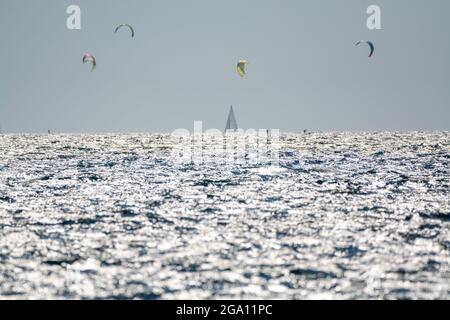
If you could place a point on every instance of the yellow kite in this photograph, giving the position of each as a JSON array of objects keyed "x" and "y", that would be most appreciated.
[{"x": 241, "y": 67}]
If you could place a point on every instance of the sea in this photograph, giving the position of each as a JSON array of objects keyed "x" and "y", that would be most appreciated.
[{"x": 297, "y": 216}]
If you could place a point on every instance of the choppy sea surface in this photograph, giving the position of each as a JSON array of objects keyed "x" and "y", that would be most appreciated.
[{"x": 343, "y": 216}]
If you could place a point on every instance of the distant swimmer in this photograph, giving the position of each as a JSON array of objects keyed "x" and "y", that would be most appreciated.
[{"x": 370, "y": 44}]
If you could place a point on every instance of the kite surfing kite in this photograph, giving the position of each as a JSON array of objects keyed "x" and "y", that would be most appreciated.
[
  {"x": 241, "y": 67},
  {"x": 90, "y": 58},
  {"x": 370, "y": 44},
  {"x": 127, "y": 26}
]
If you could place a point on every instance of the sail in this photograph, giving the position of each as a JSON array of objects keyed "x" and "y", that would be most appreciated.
[{"x": 231, "y": 122}]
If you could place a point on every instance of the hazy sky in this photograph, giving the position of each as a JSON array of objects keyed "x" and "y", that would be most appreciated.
[{"x": 305, "y": 71}]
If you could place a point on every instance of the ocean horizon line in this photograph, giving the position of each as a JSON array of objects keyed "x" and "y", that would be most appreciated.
[{"x": 168, "y": 133}]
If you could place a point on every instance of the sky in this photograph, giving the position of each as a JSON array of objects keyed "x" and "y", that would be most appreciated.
[{"x": 304, "y": 73}]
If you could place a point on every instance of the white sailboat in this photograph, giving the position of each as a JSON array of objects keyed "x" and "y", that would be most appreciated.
[{"x": 231, "y": 122}]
